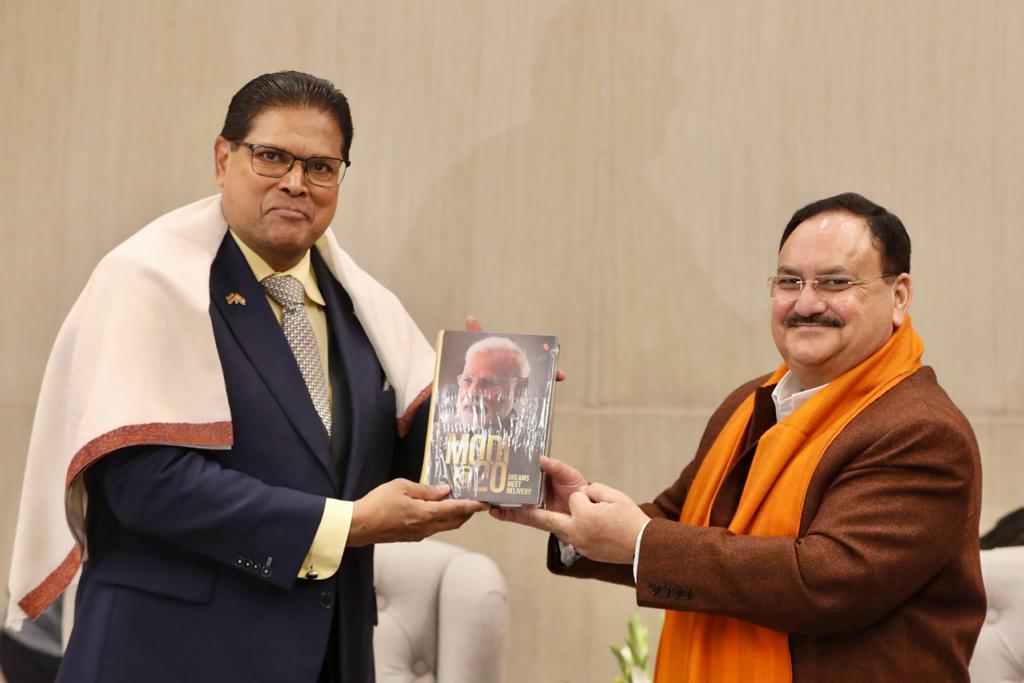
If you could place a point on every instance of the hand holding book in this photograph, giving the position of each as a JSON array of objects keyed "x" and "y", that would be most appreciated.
[
  {"x": 562, "y": 481},
  {"x": 602, "y": 523},
  {"x": 402, "y": 510}
]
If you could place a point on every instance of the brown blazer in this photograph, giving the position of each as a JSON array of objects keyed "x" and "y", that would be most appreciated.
[{"x": 883, "y": 581}]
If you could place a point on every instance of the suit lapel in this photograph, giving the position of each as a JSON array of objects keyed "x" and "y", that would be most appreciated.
[
  {"x": 362, "y": 372},
  {"x": 262, "y": 341}
]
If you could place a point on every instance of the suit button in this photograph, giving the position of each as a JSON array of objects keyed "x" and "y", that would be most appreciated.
[
  {"x": 654, "y": 588},
  {"x": 685, "y": 593},
  {"x": 240, "y": 561},
  {"x": 266, "y": 572},
  {"x": 326, "y": 599}
]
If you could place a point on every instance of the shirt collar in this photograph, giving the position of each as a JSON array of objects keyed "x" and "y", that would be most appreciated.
[
  {"x": 301, "y": 271},
  {"x": 789, "y": 395}
]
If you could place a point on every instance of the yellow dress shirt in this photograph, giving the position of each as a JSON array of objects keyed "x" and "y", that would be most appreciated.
[{"x": 324, "y": 556}]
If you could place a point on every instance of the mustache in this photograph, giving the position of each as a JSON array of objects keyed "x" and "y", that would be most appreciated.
[{"x": 818, "y": 319}]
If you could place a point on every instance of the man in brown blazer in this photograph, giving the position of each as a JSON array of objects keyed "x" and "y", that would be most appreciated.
[{"x": 879, "y": 577}]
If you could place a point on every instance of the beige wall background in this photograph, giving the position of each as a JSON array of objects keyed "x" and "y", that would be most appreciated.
[{"x": 616, "y": 173}]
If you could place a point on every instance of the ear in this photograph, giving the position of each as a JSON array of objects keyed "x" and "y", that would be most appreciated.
[
  {"x": 221, "y": 152},
  {"x": 902, "y": 292}
]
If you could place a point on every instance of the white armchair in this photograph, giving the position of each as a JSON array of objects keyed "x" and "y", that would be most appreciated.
[
  {"x": 999, "y": 654},
  {"x": 442, "y": 613}
]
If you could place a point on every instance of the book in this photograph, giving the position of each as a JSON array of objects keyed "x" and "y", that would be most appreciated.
[{"x": 490, "y": 416}]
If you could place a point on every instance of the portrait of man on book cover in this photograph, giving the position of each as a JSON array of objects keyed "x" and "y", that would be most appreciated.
[
  {"x": 494, "y": 378},
  {"x": 489, "y": 422}
]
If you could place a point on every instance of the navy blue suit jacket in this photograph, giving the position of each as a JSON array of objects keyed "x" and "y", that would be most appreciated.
[{"x": 193, "y": 555}]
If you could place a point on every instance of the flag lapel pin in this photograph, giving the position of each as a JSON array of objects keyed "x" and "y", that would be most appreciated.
[{"x": 235, "y": 298}]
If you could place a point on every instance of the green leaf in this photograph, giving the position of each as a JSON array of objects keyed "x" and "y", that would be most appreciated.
[
  {"x": 638, "y": 640},
  {"x": 622, "y": 656},
  {"x": 634, "y": 657}
]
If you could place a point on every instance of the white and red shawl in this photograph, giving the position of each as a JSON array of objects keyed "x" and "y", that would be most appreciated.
[{"x": 135, "y": 363}]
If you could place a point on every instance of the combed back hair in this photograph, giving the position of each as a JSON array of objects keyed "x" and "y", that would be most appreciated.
[
  {"x": 286, "y": 89},
  {"x": 502, "y": 344},
  {"x": 887, "y": 231}
]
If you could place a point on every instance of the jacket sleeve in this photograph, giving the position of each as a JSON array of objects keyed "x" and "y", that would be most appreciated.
[
  {"x": 890, "y": 520},
  {"x": 184, "y": 497},
  {"x": 667, "y": 506}
]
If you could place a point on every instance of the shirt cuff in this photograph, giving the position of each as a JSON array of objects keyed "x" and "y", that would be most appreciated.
[
  {"x": 636, "y": 549},
  {"x": 328, "y": 545},
  {"x": 567, "y": 554}
]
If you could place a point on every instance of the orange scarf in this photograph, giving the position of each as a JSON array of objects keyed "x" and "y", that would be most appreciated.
[{"x": 707, "y": 648}]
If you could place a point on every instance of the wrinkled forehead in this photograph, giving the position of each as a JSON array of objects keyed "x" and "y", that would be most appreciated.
[
  {"x": 298, "y": 129},
  {"x": 492, "y": 363},
  {"x": 830, "y": 241}
]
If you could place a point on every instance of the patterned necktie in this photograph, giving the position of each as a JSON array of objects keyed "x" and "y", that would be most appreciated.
[{"x": 288, "y": 292}]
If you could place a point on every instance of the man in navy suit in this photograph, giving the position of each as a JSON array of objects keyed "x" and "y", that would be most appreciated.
[{"x": 254, "y": 562}]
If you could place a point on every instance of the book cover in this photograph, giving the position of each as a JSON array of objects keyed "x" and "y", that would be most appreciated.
[{"x": 490, "y": 415}]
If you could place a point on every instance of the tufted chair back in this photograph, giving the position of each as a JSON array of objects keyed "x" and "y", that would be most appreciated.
[
  {"x": 443, "y": 615},
  {"x": 999, "y": 654}
]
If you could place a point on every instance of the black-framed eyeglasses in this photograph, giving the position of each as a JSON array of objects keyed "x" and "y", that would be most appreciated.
[
  {"x": 272, "y": 162},
  {"x": 788, "y": 287}
]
